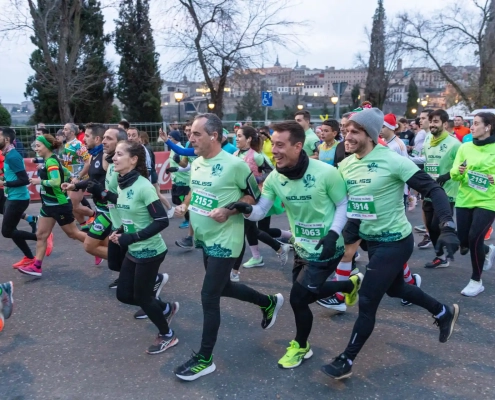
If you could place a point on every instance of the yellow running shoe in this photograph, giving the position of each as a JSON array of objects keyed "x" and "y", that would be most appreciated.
[
  {"x": 353, "y": 297},
  {"x": 295, "y": 355}
]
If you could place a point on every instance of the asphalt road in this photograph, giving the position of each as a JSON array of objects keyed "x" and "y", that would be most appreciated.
[{"x": 69, "y": 338}]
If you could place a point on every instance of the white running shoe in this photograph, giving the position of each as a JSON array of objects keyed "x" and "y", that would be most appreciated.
[
  {"x": 473, "y": 288},
  {"x": 489, "y": 258},
  {"x": 234, "y": 276},
  {"x": 283, "y": 256},
  {"x": 170, "y": 213}
]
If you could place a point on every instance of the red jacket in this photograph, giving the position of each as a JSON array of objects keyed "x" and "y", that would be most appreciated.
[{"x": 461, "y": 131}]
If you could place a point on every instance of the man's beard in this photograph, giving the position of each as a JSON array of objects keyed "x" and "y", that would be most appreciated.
[{"x": 2, "y": 145}]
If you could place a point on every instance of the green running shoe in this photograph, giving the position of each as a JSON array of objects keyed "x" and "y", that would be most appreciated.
[
  {"x": 270, "y": 312},
  {"x": 254, "y": 262},
  {"x": 295, "y": 355},
  {"x": 353, "y": 297},
  {"x": 196, "y": 367}
]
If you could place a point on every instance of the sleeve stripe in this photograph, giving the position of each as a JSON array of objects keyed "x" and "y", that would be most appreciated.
[{"x": 52, "y": 167}]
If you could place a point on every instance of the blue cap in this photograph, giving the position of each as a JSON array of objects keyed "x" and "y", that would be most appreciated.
[{"x": 175, "y": 135}]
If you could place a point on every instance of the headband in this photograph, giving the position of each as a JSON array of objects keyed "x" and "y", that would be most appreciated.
[{"x": 43, "y": 140}]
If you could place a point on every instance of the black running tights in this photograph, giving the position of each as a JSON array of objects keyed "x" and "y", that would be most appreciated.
[
  {"x": 12, "y": 216},
  {"x": 253, "y": 234}
]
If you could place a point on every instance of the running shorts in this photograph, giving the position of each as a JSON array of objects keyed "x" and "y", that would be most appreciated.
[
  {"x": 312, "y": 275},
  {"x": 179, "y": 193},
  {"x": 61, "y": 213},
  {"x": 101, "y": 227}
]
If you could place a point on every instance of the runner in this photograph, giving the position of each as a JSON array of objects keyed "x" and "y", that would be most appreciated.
[
  {"x": 330, "y": 135},
  {"x": 474, "y": 168},
  {"x": 459, "y": 129},
  {"x": 266, "y": 143},
  {"x": 312, "y": 141},
  {"x": 6, "y": 302},
  {"x": 226, "y": 145},
  {"x": 375, "y": 179},
  {"x": 217, "y": 180},
  {"x": 56, "y": 206},
  {"x": 315, "y": 198},
  {"x": 341, "y": 151},
  {"x": 14, "y": 183}
]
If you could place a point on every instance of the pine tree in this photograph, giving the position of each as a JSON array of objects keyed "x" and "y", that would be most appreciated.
[
  {"x": 376, "y": 86},
  {"x": 412, "y": 99},
  {"x": 250, "y": 106},
  {"x": 355, "y": 93},
  {"x": 139, "y": 81},
  {"x": 5, "y": 118}
]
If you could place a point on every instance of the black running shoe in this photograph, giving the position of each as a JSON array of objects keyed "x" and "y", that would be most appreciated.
[
  {"x": 437, "y": 263},
  {"x": 196, "y": 367},
  {"x": 464, "y": 250},
  {"x": 173, "y": 308},
  {"x": 140, "y": 314},
  {"x": 34, "y": 224},
  {"x": 114, "y": 284},
  {"x": 159, "y": 283},
  {"x": 185, "y": 243},
  {"x": 340, "y": 368},
  {"x": 270, "y": 312},
  {"x": 162, "y": 343},
  {"x": 447, "y": 322}
]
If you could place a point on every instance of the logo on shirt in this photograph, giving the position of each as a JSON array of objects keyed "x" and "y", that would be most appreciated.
[
  {"x": 284, "y": 183},
  {"x": 373, "y": 167},
  {"x": 216, "y": 170},
  {"x": 443, "y": 148},
  {"x": 130, "y": 194},
  {"x": 196, "y": 168},
  {"x": 97, "y": 164},
  {"x": 309, "y": 181}
]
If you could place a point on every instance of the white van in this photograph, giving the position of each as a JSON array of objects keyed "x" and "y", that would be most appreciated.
[{"x": 471, "y": 115}]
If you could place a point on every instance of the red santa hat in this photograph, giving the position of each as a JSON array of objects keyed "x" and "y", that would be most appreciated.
[{"x": 390, "y": 121}]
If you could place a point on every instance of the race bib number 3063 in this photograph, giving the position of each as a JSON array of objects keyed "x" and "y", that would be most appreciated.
[
  {"x": 309, "y": 233},
  {"x": 203, "y": 202},
  {"x": 361, "y": 207}
]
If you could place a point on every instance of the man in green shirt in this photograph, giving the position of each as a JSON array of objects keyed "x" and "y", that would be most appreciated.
[
  {"x": 219, "y": 179},
  {"x": 311, "y": 142},
  {"x": 375, "y": 178}
]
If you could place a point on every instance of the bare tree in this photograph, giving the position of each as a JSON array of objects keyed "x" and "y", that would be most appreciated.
[
  {"x": 454, "y": 30},
  {"x": 217, "y": 37}
]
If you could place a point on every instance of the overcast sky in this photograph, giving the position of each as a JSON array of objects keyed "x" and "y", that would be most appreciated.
[{"x": 335, "y": 37}]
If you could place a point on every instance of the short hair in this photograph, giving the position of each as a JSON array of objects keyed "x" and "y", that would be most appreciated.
[
  {"x": 10, "y": 133},
  {"x": 133, "y": 128},
  {"x": 144, "y": 137},
  {"x": 347, "y": 115},
  {"x": 82, "y": 128},
  {"x": 451, "y": 124},
  {"x": 427, "y": 111},
  {"x": 306, "y": 115},
  {"x": 458, "y": 116},
  {"x": 334, "y": 124},
  {"x": 442, "y": 114},
  {"x": 188, "y": 123},
  {"x": 403, "y": 120},
  {"x": 124, "y": 123},
  {"x": 42, "y": 130},
  {"x": 60, "y": 132},
  {"x": 417, "y": 121},
  {"x": 73, "y": 127},
  {"x": 96, "y": 129},
  {"x": 296, "y": 131},
  {"x": 121, "y": 133},
  {"x": 213, "y": 124},
  {"x": 488, "y": 119}
]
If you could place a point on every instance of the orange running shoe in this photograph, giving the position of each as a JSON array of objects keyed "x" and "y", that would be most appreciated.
[
  {"x": 90, "y": 220},
  {"x": 49, "y": 245},
  {"x": 24, "y": 262},
  {"x": 2, "y": 321},
  {"x": 489, "y": 234}
]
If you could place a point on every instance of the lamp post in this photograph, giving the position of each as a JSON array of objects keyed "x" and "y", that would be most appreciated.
[
  {"x": 178, "y": 98},
  {"x": 211, "y": 106},
  {"x": 424, "y": 103},
  {"x": 334, "y": 100},
  {"x": 414, "y": 111},
  {"x": 300, "y": 107}
]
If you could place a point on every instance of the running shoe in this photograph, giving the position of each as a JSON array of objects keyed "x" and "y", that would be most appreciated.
[
  {"x": 295, "y": 355},
  {"x": 464, "y": 250},
  {"x": 355, "y": 271},
  {"x": 140, "y": 314},
  {"x": 270, "y": 312},
  {"x": 30, "y": 269},
  {"x": 425, "y": 243},
  {"x": 114, "y": 284},
  {"x": 49, "y": 245},
  {"x": 162, "y": 343},
  {"x": 98, "y": 260},
  {"x": 333, "y": 303},
  {"x": 489, "y": 234},
  {"x": 170, "y": 213},
  {"x": 417, "y": 282},
  {"x": 437, "y": 263},
  {"x": 184, "y": 225},
  {"x": 473, "y": 288},
  {"x": 2, "y": 321},
  {"x": 254, "y": 262},
  {"x": 185, "y": 243},
  {"x": 6, "y": 299},
  {"x": 196, "y": 367},
  {"x": 235, "y": 276},
  {"x": 283, "y": 256},
  {"x": 91, "y": 220},
  {"x": 23, "y": 263},
  {"x": 285, "y": 241},
  {"x": 447, "y": 322},
  {"x": 34, "y": 224},
  {"x": 413, "y": 201},
  {"x": 357, "y": 256},
  {"x": 489, "y": 258},
  {"x": 340, "y": 368},
  {"x": 420, "y": 228},
  {"x": 353, "y": 297},
  {"x": 159, "y": 283},
  {"x": 173, "y": 308}
]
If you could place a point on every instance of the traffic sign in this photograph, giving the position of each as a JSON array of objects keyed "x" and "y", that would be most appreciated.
[{"x": 266, "y": 99}]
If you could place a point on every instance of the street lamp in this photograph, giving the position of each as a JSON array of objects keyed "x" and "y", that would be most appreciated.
[
  {"x": 414, "y": 111},
  {"x": 300, "y": 106},
  {"x": 334, "y": 101},
  {"x": 178, "y": 98},
  {"x": 211, "y": 106},
  {"x": 424, "y": 103}
]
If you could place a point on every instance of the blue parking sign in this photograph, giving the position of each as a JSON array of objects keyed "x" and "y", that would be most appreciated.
[{"x": 266, "y": 99}]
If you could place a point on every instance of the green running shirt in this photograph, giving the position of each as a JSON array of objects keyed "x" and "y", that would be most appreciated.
[
  {"x": 51, "y": 179},
  {"x": 311, "y": 142},
  {"x": 178, "y": 178},
  {"x": 310, "y": 205},
  {"x": 375, "y": 186},
  {"x": 112, "y": 185}
]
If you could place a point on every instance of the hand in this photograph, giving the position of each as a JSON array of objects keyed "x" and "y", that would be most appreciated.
[
  {"x": 442, "y": 179},
  {"x": 162, "y": 135},
  {"x": 243, "y": 208},
  {"x": 35, "y": 181},
  {"x": 490, "y": 179},
  {"x": 180, "y": 211},
  {"x": 220, "y": 214},
  {"x": 114, "y": 237},
  {"x": 329, "y": 243},
  {"x": 171, "y": 169},
  {"x": 68, "y": 186},
  {"x": 448, "y": 239},
  {"x": 462, "y": 169},
  {"x": 74, "y": 180},
  {"x": 39, "y": 166},
  {"x": 95, "y": 188},
  {"x": 126, "y": 239}
]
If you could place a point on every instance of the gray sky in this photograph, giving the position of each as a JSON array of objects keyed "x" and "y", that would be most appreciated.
[{"x": 335, "y": 37}]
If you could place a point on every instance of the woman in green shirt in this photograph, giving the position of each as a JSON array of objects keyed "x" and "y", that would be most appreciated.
[
  {"x": 474, "y": 168},
  {"x": 143, "y": 217}
]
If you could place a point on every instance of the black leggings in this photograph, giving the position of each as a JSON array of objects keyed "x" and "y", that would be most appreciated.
[
  {"x": 116, "y": 256},
  {"x": 433, "y": 223},
  {"x": 217, "y": 284},
  {"x": 253, "y": 234},
  {"x": 472, "y": 226},
  {"x": 11, "y": 217},
  {"x": 2, "y": 200},
  {"x": 264, "y": 225},
  {"x": 384, "y": 274},
  {"x": 135, "y": 287}
]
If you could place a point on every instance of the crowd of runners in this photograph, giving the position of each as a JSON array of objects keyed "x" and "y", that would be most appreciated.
[{"x": 345, "y": 189}]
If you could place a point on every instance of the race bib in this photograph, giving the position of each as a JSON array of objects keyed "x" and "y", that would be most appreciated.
[
  {"x": 309, "y": 233},
  {"x": 203, "y": 202},
  {"x": 433, "y": 170},
  {"x": 478, "y": 181},
  {"x": 361, "y": 207},
  {"x": 128, "y": 226},
  {"x": 415, "y": 153}
]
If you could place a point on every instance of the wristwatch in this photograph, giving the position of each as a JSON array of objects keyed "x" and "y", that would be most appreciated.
[{"x": 449, "y": 224}]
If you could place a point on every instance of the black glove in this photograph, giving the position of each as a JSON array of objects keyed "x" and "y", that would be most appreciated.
[
  {"x": 176, "y": 158},
  {"x": 329, "y": 243},
  {"x": 243, "y": 208},
  {"x": 448, "y": 239},
  {"x": 95, "y": 188},
  {"x": 126, "y": 239},
  {"x": 442, "y": 179},
  {"x": 171, "y": 169}
]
